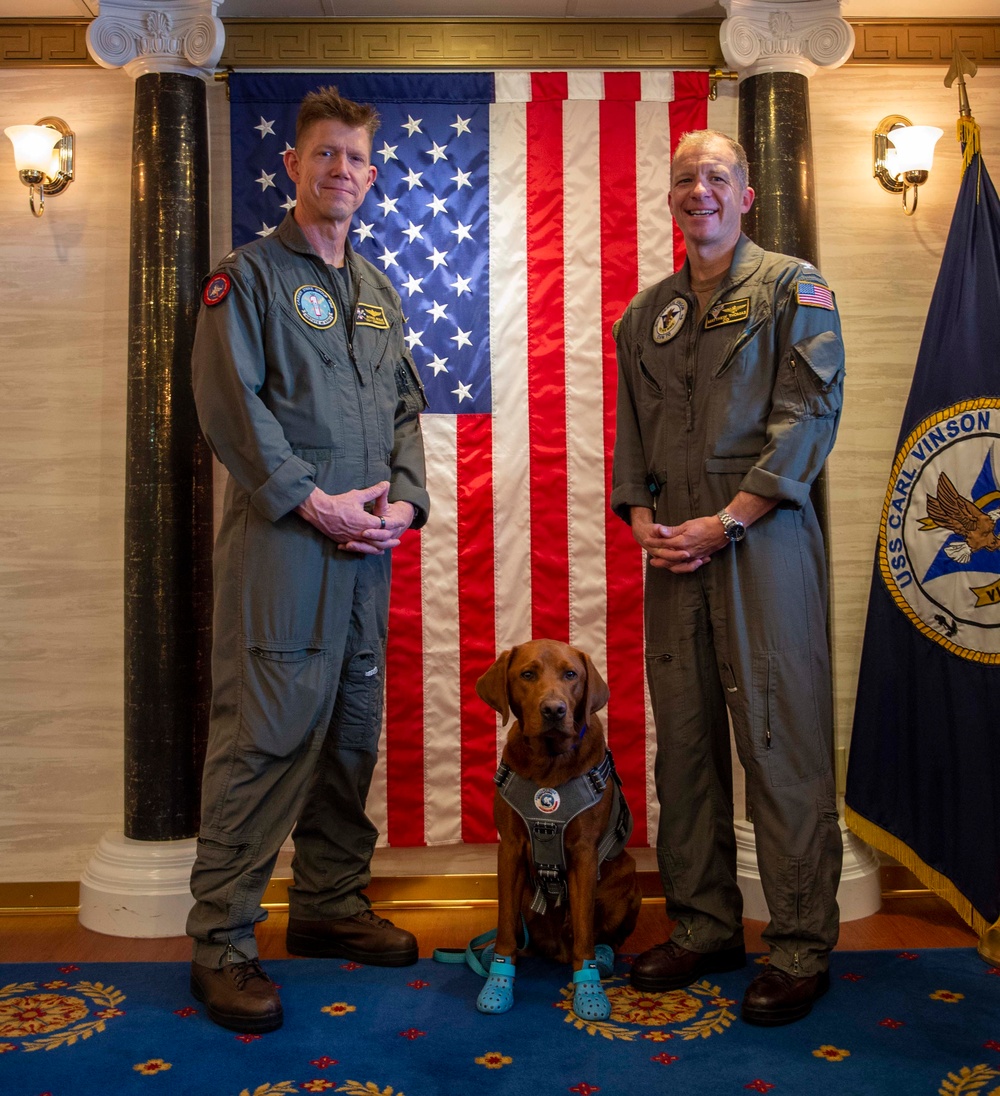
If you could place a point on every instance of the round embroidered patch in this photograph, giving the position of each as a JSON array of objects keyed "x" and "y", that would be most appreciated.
[
  {"x": 217, "y": 289},
  {"x": 547, "y": 800},
  {"x": 315, "y": 306},
  {"x": 939, "y": 548},
  {"x": 670, "y": 320}
]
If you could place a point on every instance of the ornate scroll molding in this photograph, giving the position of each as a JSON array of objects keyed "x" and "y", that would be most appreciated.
[
  {"x": 784, "y": 36},
  {"x": 141, "y": 36}
]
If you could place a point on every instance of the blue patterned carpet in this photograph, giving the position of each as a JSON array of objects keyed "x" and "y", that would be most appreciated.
[{"x": 893, "y": 1023}]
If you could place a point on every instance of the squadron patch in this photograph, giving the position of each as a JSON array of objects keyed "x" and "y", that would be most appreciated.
[
  {"x": 216, "y": 289},
  {"x": 670, "y": 320},
  {"x": 315, "y": 306},
  {"x": 814, "y": 294},
  {"x": 727, "y": 312},
  {"x": 371, "y": 315}
]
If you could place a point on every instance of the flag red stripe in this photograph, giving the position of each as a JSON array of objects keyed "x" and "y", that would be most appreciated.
[
  {"x": 476, "y": 618},
  {"x": 547, "y": 360},
  {"x": 405, "y": 696},
  {"x": 619, "y": 283},
  {"x": 688, "y": 111}
]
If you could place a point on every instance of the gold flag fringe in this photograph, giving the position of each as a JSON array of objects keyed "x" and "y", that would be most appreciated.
[
  {"x": 933, "y": 880},
  {"x": 968, "y": 137}
]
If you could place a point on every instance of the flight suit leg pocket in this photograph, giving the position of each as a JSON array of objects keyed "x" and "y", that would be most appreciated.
[
  {"x": 357, "y": 715},
  {"x": 790, "y": 734},
  {"x": 286, "y": 689}
]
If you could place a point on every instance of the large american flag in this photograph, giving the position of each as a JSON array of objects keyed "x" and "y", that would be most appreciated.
[{"x": 517, "y": 213}]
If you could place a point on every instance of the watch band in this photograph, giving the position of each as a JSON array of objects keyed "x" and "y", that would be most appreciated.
[{"x": 734, "y": 529}]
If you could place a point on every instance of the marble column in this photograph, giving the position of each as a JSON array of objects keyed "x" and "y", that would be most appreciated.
[
  {"x": 776, "y": 46},
  {"x": 137, "y": 882}
]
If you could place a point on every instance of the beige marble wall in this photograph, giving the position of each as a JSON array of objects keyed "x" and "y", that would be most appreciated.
[{"x": 62, "y": 415}]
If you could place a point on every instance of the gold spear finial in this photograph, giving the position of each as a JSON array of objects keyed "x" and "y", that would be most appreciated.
[{"x": 968, "y": 129}]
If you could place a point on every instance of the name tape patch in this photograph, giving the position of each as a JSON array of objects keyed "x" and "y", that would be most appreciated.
[
  {"x": 728, "y": 312},
  {"x": 371, "y": 315}
]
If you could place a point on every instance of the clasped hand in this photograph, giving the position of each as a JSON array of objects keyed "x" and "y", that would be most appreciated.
[
  {"x": 679, "y": 548},
  {"x": 362, "y": 521}
]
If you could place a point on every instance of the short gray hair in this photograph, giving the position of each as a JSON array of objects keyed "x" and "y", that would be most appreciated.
[{"x": 699, "y": 137}]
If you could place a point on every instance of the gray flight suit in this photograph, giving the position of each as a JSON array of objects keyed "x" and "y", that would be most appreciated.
[
  {"x": 746, "y": 398},
  {"x": 297, "y": 386}
]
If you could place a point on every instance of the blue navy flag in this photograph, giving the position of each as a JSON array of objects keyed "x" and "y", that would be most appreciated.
[{"x": 923, "y": 782}]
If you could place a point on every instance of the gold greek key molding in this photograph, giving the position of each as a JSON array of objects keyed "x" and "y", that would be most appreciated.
[
  {"x": 481, "y": 44},
  {"x": 924, "y": 41},
  {"x": 504, "y": 43},
  {"x": 34, "y": 42}
]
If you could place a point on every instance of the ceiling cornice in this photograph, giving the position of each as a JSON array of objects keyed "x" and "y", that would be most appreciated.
[{"x": 503, "y": 43}]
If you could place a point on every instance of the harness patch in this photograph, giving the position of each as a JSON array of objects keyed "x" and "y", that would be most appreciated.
[
  {"x": 814, "y": 294},
  {"x": 217, "y": 289},
  {"x": 670, "y": 320},
  {"x": 547, "y": 800},
  {"x": 727, "y": 312},
  {"x": 315, "y": 306},
  {"x": 371, "y": 315}
]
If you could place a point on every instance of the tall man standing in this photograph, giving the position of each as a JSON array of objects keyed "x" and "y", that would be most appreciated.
[
  {"x": 730, "y": 389},
  {"x": 307, "y": 395}
]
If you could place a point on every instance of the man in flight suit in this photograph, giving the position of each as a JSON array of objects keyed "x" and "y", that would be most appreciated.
[
  {"x": 306, "y": 393},
  {"x": 730, "y": 388}
]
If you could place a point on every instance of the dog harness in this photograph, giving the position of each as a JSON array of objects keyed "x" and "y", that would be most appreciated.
[{"x": 547, "y": 811}]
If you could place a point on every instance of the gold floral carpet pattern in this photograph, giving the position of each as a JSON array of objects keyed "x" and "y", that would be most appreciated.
[{"x": 893, "y": 1023}]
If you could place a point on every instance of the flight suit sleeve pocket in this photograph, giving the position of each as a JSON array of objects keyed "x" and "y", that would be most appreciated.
[
  {"x": 408, "y": 386},
  {"x": 284, "y": 696},
  {"x": 815, "y": 369}
]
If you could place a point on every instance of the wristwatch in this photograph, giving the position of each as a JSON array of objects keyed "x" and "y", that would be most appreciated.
[{"x": 734, "y": 529}]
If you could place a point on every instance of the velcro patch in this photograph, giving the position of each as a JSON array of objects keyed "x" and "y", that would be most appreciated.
[
  {"x": 315, "y": 306},
  {"x": 216, "y": 289},
  {"x": 728, "y": 312},
  {"x": 814, "y": 294},
  {"x": 371, "y": 315}
]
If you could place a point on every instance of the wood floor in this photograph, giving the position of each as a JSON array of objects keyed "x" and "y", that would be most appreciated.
[{"x": 905, "y": 921}]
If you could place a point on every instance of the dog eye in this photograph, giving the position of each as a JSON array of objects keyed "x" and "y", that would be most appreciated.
[
  {"x": 570, "y": 675},
  {"x": 528, "y": 675}
]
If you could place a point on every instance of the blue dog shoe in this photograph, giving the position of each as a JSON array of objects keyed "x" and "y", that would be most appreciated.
[
  {"x": 590, "y": 1002},
  {"x": 605, "y": 959},
  {"x": 497, "y": 995}
]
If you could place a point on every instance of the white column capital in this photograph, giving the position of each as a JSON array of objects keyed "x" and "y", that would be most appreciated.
[
  {"x": 784, "y": 36},
  {"x": 144, "y": 36}
]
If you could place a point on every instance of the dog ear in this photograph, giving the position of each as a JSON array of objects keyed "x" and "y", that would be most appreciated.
[
  {"x": 597, "y": 693},
  {"x": 492, "y": 686}
]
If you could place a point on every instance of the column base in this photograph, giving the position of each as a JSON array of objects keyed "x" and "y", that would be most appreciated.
[
  {"x": 137, "y": 888},
  {"x": 860, "y": 891}
]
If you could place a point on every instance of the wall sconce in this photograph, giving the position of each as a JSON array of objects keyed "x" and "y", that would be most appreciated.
[
  {"x": 902, "y": 155},
  {"x": 43, "y": 155}
]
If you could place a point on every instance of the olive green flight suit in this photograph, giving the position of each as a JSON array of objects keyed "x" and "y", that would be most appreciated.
[
  {"x": 747, "y": 397},
  {"x": 296, "y": 386}
]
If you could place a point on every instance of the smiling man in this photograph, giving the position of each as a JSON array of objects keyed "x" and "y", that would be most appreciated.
[
  {"x": 306, "y": 393},
  {"x": 730, "y": 389}
]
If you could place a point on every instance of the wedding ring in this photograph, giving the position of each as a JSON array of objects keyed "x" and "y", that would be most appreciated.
[{"x": 383, "y": 522}]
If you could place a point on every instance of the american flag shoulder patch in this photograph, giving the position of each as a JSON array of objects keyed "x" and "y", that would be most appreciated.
[{"x": 814, "y": 294}]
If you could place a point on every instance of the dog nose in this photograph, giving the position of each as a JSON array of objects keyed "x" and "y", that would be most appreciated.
[{"x": 553, "y": 709}]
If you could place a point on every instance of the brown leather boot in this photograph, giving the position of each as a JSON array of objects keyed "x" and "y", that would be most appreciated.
[
  {"x": 669, "y": 966},
  {"x": 238, "y": 996},
  {"x": 776, "y": 997},
  {"x": 365, "y": 938}
]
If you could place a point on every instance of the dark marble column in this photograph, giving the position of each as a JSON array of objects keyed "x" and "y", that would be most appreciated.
[
  {"x": 168, "y": 486},
  {"x": 774, "y": 130}
]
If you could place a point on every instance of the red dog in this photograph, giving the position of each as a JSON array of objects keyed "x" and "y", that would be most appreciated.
[{"x": 556, "y": 783}]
